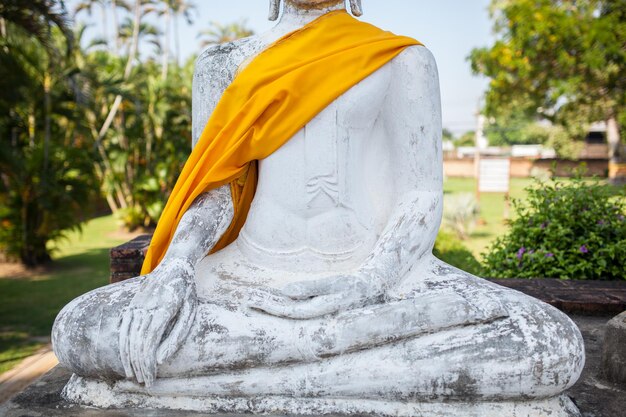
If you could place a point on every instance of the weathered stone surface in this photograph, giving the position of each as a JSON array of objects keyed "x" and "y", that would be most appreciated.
[
  {"x": 44, "y": 399},
  {"x": 133, "y": 249},
  {"x": 614, "y": 351},
  {"x": 594, "y": 396},
  {"x": 126, "y": 259},
  {"x": 573, "y": 296}
]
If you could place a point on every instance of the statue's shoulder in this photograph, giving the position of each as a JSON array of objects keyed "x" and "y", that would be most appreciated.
[
  {"x": 416, "y": 55},
  {"x": 416, "y": 64},
  {"x": 225, "y": 56}
]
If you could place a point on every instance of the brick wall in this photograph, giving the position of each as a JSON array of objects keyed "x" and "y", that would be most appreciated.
[
  {"x": 126, "y": 259},
  {"x": 523, "y": 167}
]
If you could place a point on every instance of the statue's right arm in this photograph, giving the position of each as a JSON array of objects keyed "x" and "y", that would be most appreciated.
[
  {"x": 155, "y": 324},
  {"x": 211, "y": 213}
]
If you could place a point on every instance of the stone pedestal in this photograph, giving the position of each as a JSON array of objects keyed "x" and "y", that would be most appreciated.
[
  {"x": 614, "y": 350},
  {"x": 45, "y": 398}
]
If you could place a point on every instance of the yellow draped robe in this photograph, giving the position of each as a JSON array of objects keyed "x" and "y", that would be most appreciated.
[{"x": 275, "y": 96}]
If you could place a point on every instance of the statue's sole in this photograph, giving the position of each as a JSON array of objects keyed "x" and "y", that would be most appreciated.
[{"x": 124, "y": 395}]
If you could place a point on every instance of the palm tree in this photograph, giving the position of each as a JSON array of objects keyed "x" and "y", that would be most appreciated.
[
  {"x": 218, "y": 33},
  {"x": 115, "y": 4},
  {"x": 88, "y": 5},
  {"x": 172, "y": 10},
  {"x": 36, "y": 17},
  {"x": 41, "y": 169},
  {"x": 181, "y": 8}
]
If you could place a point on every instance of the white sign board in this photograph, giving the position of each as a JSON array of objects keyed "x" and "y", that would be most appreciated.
[{"x": 494, "y": 175}]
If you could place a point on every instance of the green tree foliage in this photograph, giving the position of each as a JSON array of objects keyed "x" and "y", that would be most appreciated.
[
  {"x": 558, "y": 60},
  {"x": 218, "y": 33},
  {"x": 574, "y": 230},
  {"x": 447, "y": 135},
  {"x": 80, "y": 121},
  {"x": 46, "y": 174},
  {"x": 466, "y": 139},
  {"x": 516, "y": 130}
]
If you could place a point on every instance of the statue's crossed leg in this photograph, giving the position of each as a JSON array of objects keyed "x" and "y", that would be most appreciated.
[{"x": 446, "y": 338}]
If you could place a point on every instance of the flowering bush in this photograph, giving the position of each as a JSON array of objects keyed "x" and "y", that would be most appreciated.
[{"x": 573, "y": 230}]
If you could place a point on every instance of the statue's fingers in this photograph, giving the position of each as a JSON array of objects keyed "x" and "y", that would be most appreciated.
[
  {"x": 157, "y": 329},
  {"x": 154, "y": 335},
  {"x": 124, "y": 341},
  {"x": 186, "y": 315},
  {"x": 322, "y": 305},
  {"x": 135, "y": 344},
  {"x": 268, "y": 302},
  {"x": 144, "y": 346},
  {"x": 307, "y": 289}
]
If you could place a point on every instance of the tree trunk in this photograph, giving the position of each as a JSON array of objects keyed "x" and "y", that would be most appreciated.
[
  {"x": 47, "y": 81},
  {"x": 177, "y": 39},
  {"x": 105, "y": 25},
  {"x": 617, "y": 160},
  {"x": 31, "y": 129},
  {"x": 166, "y": 47},
  {"x": 123, "y": 192},
  {"x": 116, "y": 29}
]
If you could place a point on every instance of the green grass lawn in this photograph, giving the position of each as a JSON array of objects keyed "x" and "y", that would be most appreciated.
[
  {"x": 492, "y": 210},
  {"x": 28, "y": 306}
]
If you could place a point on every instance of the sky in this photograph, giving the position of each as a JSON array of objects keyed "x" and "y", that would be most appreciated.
[{"x": 449, "y": 28}]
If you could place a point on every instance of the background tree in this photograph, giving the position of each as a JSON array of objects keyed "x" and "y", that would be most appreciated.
[
  {"x": 466, "y": 139},
  {"x": 447, "y": 135},
  {"x": 218, "y": 33},
  {"x": 561, "y": 61},
  {"x": 77, "y": 118},
  {"x": 43, "y": 167}
]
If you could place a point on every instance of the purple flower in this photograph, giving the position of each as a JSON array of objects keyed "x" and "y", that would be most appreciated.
[
  {"x": 583, "y": 249},
  {"x": 520, "y": 253},
  {"x": 601, "y": 222},
  {"x": 549, "y": 255},
  {"x": 544, "y": 225},
  {"x": 620, "y": 217}
]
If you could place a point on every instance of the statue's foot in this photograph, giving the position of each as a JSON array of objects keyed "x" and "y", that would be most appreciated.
[{"x": 128, "y": 395}]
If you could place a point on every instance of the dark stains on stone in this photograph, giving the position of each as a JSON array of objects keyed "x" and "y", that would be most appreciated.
[
  {"x": 323, "y": 341},
  {"x": 464, "y": 387}
]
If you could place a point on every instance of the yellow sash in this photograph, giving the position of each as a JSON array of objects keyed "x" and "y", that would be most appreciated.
[{"x": 274, "y": 97}]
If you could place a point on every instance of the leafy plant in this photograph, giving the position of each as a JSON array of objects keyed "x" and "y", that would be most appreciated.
[
  {"x": 449, "y": 249},
  {"x": 558, "y": 60},
  {"x": 574, "y": 230},
  {"x": 39, "y": 204},
  {"x": 460, "y": 214}
]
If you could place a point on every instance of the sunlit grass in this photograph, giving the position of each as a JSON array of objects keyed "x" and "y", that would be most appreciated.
[
  {"x": 28, "y": 306},
  {"x": 492, "y": 210}
]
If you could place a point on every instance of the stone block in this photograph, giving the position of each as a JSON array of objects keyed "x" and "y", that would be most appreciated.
[
  {"x": 614, "y": 350},
  {"x": 126, "y": 259}
]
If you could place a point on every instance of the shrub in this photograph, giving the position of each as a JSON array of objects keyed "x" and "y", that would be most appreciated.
[
  {"x": 449, "y": 249},
  {"x": 460, "y": 213},
  {"x": 573, "y": 230},
  {"x": 42, "y": 198}
]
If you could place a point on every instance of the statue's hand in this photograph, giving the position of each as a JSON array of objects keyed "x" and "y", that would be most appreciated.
[
  {"x": 310, "y": 299},
  {"x": 157, "y": 319}
]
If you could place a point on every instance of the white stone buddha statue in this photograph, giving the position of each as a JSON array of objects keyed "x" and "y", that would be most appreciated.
[{"x": 330, "y": 300}]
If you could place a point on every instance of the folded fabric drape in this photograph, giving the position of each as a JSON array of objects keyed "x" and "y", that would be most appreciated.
[{"x": 275, "y": 96}]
